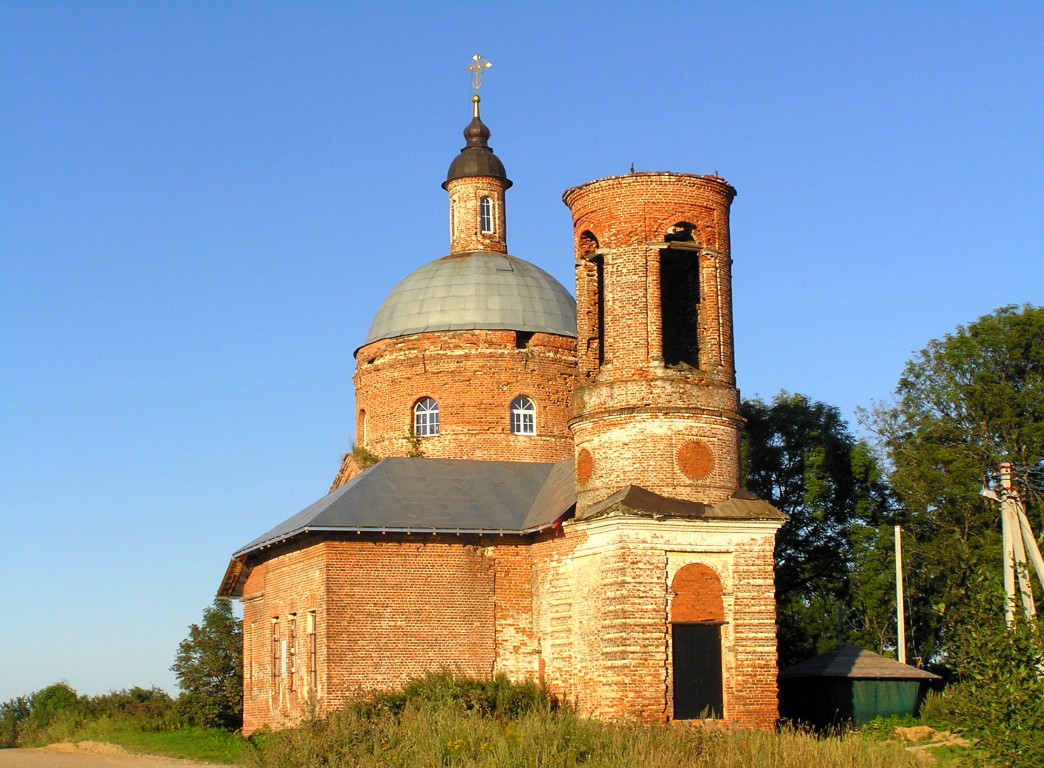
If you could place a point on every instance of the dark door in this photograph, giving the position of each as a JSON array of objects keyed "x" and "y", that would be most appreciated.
[{"x": 697, "y": 671}]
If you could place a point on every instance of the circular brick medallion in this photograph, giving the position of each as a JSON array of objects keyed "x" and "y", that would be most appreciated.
[
  {"x": 584, "y": 466},
  {"x": 695, "y": 459}
]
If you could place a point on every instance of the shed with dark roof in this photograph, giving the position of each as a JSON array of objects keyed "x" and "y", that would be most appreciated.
[{"x": 850, "y": 684}]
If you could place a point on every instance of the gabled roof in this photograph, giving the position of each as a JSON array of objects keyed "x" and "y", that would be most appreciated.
[
  {"x": 437, "y": 496},
  {"x": 852, "y": 662}
]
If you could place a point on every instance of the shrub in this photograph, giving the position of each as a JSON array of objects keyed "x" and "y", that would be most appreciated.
[
  {"x": 999, "y": 694},
  {"x": 57, "y": 699},
  {"x": 148, "y": 707}
]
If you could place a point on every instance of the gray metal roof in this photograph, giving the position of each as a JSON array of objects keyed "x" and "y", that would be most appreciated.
[
  {"x": 850, "y": 661},
  {"x": 438, "y": 495},
  {"x": 476, "y": 290},
  {"x": 742, "y": 506}
]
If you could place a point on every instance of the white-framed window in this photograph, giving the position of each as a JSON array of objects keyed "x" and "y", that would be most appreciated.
[
  {"x": 486, "y": 215},
  {"x": 426, "y": 417},
  {"x": 523, "y": 416}
]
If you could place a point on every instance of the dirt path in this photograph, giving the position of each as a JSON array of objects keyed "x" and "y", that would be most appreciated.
[{"x": 86, "y": 754}]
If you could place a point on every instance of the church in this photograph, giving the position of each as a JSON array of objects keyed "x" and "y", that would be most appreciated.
[{"x": 542, "y": 487}]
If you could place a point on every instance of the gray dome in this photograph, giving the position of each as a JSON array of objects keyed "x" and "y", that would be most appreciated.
[{"x": 476, "y": 290}]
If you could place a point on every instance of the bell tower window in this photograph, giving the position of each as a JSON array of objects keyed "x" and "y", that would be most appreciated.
[
  {"x": 680, "y": 303},
  {"x": 486, "y": 216}
]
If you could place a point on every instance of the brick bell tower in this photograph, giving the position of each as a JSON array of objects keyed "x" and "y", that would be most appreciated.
[{"x": 656, "y": 404}]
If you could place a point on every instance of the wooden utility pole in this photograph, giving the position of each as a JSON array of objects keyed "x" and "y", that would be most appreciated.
[
  {"x": 1020, "y": 550},
  {"x": 900, "y": 604}
]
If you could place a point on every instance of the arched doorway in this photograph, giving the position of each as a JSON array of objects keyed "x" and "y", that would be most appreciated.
[{"x": 697, "y": 615}]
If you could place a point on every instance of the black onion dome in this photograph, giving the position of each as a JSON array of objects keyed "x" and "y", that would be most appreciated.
[{"x": 476, "y": 159}]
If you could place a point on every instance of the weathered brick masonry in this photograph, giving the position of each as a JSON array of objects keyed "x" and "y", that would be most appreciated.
[
  {"x": 656, "y": 360},
  {"x": 474, "y": 375}
]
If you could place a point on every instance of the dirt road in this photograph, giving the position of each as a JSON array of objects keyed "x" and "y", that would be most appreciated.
[{"x": 86, "y": 754}]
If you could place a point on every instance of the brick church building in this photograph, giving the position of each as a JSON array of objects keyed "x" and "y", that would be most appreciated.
[{"x": 557, "y": 494}]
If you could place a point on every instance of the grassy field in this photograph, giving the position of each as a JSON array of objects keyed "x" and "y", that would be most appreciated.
[{"x": 442, "y": 720}]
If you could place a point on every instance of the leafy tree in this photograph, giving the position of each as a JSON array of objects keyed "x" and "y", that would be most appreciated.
[
  {"x": 799, "y": 455},
  {"x": 209, "y": 668},
  {"x": 13, "y": 712},
  {"x": 964, "y": 404}
]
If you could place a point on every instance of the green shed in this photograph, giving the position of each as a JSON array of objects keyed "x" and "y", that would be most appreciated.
[{"x": 850, "y": 684}]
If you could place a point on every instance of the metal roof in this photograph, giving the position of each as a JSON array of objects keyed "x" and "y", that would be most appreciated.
[
  {"x": 437, "y": 496},
  {"x": 852, "y": 662},
  {"x": 742, "y": 506},
  {"x": 477, "y": 158},
  {"x": 476, "y": 290}
]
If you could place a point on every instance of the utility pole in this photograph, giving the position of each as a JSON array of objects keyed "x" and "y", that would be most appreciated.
[
  {"x": 1020, "y": 549},
  {"x": 900, "y": 604}
]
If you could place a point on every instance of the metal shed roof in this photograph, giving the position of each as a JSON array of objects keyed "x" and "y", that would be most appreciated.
[{"x": 852, "y": 662}]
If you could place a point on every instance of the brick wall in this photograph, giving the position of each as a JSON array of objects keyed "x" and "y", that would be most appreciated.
[
  {"x": 474, "y": 376},
  {"x": 602, "y": 614},
  {"x": 465, "y": 231},
  {"x": 587, "y": 608},
  {"x": 667, "y": 423},
  {"x": 278, "y": 681},
  {"x": 385, "y": 611},
  {"x": 405, "y": 606}
]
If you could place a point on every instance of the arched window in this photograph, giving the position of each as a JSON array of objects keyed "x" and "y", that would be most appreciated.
[
  {"x": 523, "y": 416},
  {"x": 426, "y": 417},
  {"x": 486, "y": 215}
]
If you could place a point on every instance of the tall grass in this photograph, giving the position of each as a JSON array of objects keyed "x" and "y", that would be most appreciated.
[{"x": 447, "y": 721}]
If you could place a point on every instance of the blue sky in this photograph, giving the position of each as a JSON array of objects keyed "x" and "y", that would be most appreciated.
[{"x": 203, "y": 204}]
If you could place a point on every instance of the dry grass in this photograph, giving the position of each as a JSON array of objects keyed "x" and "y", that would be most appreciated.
[{"x": 450, "y": 730}]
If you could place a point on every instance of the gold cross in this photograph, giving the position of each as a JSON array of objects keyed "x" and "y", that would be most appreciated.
[{"x": 475, "y": 68}]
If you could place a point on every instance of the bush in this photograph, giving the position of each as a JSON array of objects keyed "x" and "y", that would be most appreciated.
[
  {"x": 149, "y": 707},
  {"x": 999, "y": 694},
  {"x": 49, "y": 703}
]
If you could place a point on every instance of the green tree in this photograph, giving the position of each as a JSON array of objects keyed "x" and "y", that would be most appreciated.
[
  {"x": 800, "y": 456},
  {"x": 13, "y": 713},
  {"x": 964, "y": 404},
  {"x": 209, "y": 668},
  {"x": 52, "y": 701}
]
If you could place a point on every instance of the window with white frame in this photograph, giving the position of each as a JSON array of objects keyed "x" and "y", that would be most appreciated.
[
  {"x": 486, "y": 215},
  {"x": 523, "y": 416},
  {"x": 426, "y": 417}
]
